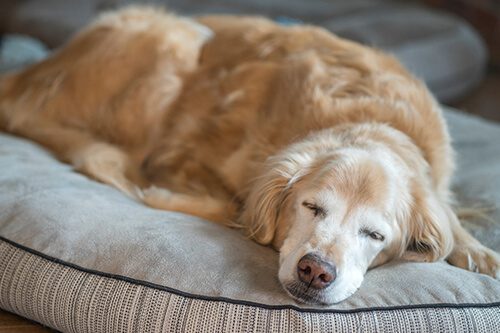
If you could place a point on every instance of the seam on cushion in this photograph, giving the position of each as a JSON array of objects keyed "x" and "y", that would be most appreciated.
[{"x": 242, "y": 302}]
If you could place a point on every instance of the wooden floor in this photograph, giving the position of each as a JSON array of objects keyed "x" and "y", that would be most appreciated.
[
  {"x": 483, "y": 101},
  {"x": 10, "y": 323}
]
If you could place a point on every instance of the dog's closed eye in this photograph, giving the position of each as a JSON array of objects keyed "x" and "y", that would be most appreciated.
[
  {"x": 372, "y": 234},
  {"x": 316, "y": 210}
]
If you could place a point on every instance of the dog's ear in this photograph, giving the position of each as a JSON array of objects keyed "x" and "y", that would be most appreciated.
[
  {"x": 429, "y": 234},
  {"x": 263, "y": 211}
]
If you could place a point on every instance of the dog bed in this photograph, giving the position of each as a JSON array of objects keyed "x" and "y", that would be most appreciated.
[{"x": 79, "y": 256}]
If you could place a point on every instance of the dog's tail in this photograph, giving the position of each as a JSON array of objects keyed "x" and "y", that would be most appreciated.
[
  {"x": 477, "y": 213},
  {"x": 16, "y": 96},
  {"x": 482, "y": 212},
  {"x": 6, "y": 84}
]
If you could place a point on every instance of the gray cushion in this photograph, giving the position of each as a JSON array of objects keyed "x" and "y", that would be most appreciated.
[
  {"x": 441, "y": 49},
  {"x": 62, "y": 232},
  {"x": 17, "y": 51}
]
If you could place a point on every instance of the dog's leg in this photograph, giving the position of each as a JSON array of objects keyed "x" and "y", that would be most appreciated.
[
  {"x": 105, "y": 163},
  {"x": 101, "y": 161},
  {"x": 209, "y": 208},
  {"x": 470, "y": 254}
]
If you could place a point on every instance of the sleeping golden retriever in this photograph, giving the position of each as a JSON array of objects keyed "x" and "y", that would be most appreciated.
[{"x": 326, "y": 149}]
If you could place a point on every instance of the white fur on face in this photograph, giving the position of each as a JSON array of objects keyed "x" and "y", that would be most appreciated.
[{"x": 340, "y": 236}]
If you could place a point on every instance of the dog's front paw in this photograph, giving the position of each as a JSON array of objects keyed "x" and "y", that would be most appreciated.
[
  {"x": 476, "y": 258},
  {"x": 157, "y": 197}
]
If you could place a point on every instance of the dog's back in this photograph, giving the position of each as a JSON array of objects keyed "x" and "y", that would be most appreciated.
[
  {"x": 98, "y": 102},
  {"x": 123, "y": 81},
  {"x": 105, "y": 80},
  {"x": 260, "y": 86},
  {"x": 135, "y": 79}
]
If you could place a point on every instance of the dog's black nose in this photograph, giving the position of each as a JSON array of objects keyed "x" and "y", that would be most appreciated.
[{"x": 316, "y": 272}]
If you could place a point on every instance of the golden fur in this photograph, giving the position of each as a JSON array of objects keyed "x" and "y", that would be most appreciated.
[{"x": 229, "y": 128}]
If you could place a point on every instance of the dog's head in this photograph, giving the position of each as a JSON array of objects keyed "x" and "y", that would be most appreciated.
[{"x": 341, "y": 202}]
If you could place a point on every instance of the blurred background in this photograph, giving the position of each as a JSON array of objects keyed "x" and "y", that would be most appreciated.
[{"x": 453, "y": 45}]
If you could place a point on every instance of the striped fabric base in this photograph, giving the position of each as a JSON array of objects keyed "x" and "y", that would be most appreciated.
[{"x": 72, "y": 299}]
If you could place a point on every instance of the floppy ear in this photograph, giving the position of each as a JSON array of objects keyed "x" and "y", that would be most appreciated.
[
  {"x": 268, "y": 194},
  {"x": 429, "y": 235}
]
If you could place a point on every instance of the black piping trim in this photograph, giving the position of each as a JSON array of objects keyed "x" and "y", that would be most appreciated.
[{"x": 246, "y": 303}]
